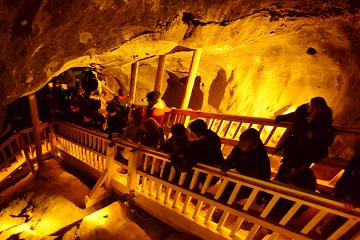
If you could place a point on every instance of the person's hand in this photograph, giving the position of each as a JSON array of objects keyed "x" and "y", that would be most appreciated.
[{"x": 350, "y": 203}]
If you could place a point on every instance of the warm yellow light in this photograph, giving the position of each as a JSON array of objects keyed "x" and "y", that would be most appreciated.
[{"x": 98, "y": 218}]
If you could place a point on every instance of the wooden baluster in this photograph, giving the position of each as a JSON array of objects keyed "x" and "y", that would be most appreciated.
[
  {"x": 176, "y": 198},
  {"x": 209, "y": 214},
  {"x": 90, "y": 141},
  {"x": 167, "y": 194},
  {"x": 186, "y": 203},
  {"x": 212, "y": 123},
  {"x": 194, "y": 179},
  {"x": 343, "y": 229},
  {"x": 221, "y": 189},
  {"x": 146, "y": 162},
  {"x": 250, "y": 199},
  {"x": 269, "y": 206},
  {"x": 197, "y": 209},
  {"x": 290, "y": 213},
  {"x": 206, "y": 184},
  {"x": 237, "y": 130},
  {"x": 99, "y": 144},
  {"x": 222, "y": 220},
  {"x": 182, "y": 178},
  {"x": 103, "y": 148},
  {"x": 228, "y": 128},
  {"x": 220, "y": 127},
  {"x": 158, "y": 191},
  {"x": 270, "y": 135},
  {"x": 252, "y": 232},
  {"x": 234, "y": 193},
  {"x": 88, "y": 157},
  {"x": 273, "y": 236},
  {"x": 313, "y": 222},
  {"x": 236, "y": 226},
  {"x": 172, "y": 174}
]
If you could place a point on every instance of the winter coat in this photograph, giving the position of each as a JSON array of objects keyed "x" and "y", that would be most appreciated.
[
  {"x": 157, "y": 111},
  {"x": 254, "y": 163}
]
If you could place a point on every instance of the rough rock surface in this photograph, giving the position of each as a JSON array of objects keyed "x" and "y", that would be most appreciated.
[{"x": 260, "y": 58}]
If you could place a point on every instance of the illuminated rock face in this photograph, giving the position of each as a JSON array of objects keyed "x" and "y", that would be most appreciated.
[{"x": 260, "y": 58}]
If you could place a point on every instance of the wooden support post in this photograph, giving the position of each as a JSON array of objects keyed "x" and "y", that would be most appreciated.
[
  {"x": 36, "y": 128},
  {"x": 160, "y": 72},
  {"x": 133, "y": 82},
  {"x": 191, "y": 78},
  {"x": 53, "y": 141},
  {"x": 26, "y": 155},
  {"x": 110, "y": 155},
  {"x": 134, "y": 158}
]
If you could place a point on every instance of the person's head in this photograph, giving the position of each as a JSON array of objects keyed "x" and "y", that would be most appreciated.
[
  {"x": 303, "y": 178},
  {"x": 178, "y": 130},
  {"x": 249, "y": 140},
  {"x": 138, "y": 114},
  {"x": 153, "y": 97},
  {"x": 198, "y": 129},
  {"x": 316, "y": 104},
  {"x": 112, "y": 109},
  {"x": 150, "y": 125}
]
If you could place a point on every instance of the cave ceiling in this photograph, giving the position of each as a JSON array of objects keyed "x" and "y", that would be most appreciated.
[{"x": 259, "y": 58}]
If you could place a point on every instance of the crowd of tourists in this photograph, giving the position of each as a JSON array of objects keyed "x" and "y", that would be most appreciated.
[{"x": 307, "y": 141}]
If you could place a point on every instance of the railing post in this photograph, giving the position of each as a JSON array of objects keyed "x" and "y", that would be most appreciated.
[
  {"x": 26, "y": 154},
  {"x": 53, "y": 141},
  {"x": 110, "y": 155},
  {"x": 132, "y": 168},
  {"x": 36, "y": 128}
]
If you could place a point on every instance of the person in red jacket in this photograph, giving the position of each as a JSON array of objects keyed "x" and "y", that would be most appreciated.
[{"x": 156, "y": 107}]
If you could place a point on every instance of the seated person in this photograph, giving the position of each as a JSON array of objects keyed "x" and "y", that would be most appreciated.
[
  {"x": 178, "y": 144},
  {"x": 135, "y": 130},
  {"x": 205, "y": 148},
  {"x": 116, "y": 120},
  {"x": 249, "y": 157},
  {"x": 153, "y": 133},
  {"x": 156, "y": 107}
]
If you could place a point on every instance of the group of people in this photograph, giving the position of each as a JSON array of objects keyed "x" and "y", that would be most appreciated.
[{"x": 306, "y": 142}]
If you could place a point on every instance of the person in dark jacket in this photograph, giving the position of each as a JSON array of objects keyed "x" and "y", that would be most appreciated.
[
  {"x": 177, "y": 144},
  {"x": 205, "y": 148},
  {"x": 346, "y": 190},
  {"x": 249, "y": 157},
  {"x": 116, "y": 120},
  {"x": 153, "y": 133},
  {"x": 309, "y": 137}
]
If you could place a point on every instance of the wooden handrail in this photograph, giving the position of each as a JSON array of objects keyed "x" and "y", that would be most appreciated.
[{"x": 319, "y": 202}]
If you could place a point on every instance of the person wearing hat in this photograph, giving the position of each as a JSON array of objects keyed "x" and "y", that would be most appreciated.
[{"x": 156, "y": 107}]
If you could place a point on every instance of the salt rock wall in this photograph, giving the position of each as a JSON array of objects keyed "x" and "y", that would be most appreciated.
[{"x": 260, "y": 58}]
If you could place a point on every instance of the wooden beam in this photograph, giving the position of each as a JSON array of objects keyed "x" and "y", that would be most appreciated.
[
  {"x": 160, "y": 72},
  {"x": 36, "y": 128},
  {"x": 191, "y": 78}
]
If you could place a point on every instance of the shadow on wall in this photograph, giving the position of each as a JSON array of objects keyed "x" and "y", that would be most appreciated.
[
  {"x": 176, "y": 88},
  {"x": 217, "y": 88}
]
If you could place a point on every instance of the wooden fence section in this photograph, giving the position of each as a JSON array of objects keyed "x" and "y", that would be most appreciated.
[
  {"x": 229, "y": 128},
  {"x": 19, "y": 147},
  {"x": 205, "y": 201}
]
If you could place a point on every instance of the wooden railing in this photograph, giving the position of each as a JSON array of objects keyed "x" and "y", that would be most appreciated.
[
  {"x": 184, "y": 203},
  {"x": 20, "y": 146},
  {"x": 229, "y": 127}
]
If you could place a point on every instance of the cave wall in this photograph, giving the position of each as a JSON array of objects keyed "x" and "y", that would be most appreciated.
[{"x": 260, "y": 58}]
